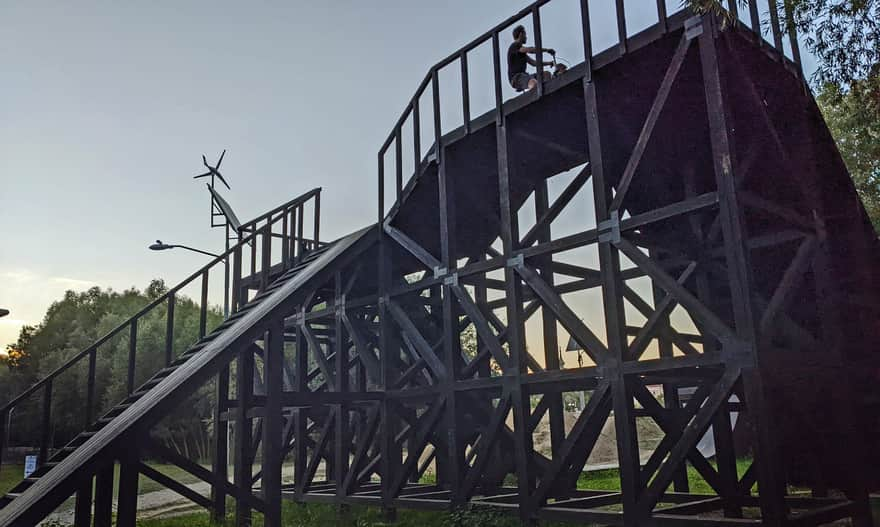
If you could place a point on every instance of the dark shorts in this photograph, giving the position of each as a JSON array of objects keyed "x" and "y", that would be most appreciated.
[{"x": 520, "y": 81}]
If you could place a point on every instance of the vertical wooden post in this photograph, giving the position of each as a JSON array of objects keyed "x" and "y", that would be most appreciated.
[
  {"x": 300, "y": 415},
  {"x": 770, "y": 475},
  {"x": 126, "y": 507},
  {"x": 220, "y": 459},
  {"x": 243, "y": 434},
  {"x": 342, "y": 439},
  {"x": 104, "y": 496},
  {"x": 515, "y": 327},
  {"x": 273, "y": 369},
  {"x": 609, "y": 268},
  {"x": 82, "y": 514},
  {"x": 551, "y": 338},
  {"x": 454, "y": 454}
]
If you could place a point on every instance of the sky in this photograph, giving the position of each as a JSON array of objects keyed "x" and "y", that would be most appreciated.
[{"x": 107, "y": 108}]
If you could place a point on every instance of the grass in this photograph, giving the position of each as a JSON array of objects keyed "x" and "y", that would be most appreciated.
[
  {"x": 11, "y": 475},
  {"x": 315, "y": 515}
]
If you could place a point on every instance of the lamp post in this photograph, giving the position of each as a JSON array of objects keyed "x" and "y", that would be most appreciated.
[{"x": 161, "y": 246}]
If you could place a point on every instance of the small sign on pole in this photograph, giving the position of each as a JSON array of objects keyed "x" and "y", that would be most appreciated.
[{"x": 30, "y": 465}]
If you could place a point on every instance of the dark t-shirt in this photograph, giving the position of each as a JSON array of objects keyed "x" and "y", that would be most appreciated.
[{"x": 516, "y": 61}]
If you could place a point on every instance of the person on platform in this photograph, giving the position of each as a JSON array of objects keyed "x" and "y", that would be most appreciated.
[{"x": 518, "y": 58}]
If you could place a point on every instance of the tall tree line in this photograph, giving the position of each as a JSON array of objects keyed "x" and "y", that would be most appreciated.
[
  {"x": 844, "y": 36},
  {"x": 74, "y": 323}
]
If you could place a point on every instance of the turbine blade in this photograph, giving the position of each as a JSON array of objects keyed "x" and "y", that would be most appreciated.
[
  {"x": 204, "y": 160},
  {"x": 221, "y": 158},
  {"x": 224, "y": 181},
  {"x": 206, "y": 174}
]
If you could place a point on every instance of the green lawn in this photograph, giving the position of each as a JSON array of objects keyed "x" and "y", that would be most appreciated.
[
  {"x": 10, "y": 475},
  {"x": 314, "y": 515}
]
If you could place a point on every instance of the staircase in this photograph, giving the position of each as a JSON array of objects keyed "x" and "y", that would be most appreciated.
[
  {"x": 68, "y": 468},
  {"x": 115, "y": 412}
]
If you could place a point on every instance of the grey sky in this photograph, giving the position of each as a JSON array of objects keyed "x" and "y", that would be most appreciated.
[{"x": 108, "y": 106}]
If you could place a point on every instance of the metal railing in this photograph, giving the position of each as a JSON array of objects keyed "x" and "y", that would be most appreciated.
[
  {"x": 756, "y": 21},
  {"x": 255, "y": 243}
]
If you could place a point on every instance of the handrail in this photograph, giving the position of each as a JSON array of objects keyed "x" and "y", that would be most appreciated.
[
  {"x": 124, "y": 325},
  {"x": 411, "y": 108},
  {"x": 288, "y": 216},
  {"x": 289, "y": 205}
]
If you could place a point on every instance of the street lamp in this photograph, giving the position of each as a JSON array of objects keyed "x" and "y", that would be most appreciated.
[{"x": 161, "y": 246}]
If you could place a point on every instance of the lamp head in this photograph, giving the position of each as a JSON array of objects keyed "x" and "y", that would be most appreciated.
[{"x": 159, "y": 246}]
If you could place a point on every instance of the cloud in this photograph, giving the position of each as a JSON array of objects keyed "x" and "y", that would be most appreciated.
[
  {"x": 20, "y": 277},
  {"x": 72, "y": 283}
]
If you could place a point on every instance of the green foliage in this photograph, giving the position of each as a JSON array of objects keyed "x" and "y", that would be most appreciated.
[
  {"x": 853, "y": 116},
  {"x": 70, "y": 326},
  {"x": 844, "y": 35}
]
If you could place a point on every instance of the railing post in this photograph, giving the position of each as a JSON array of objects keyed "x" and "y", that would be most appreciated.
[
  {"x": 90, "y": 386},
  {"x": 465, "y": 93},
  {"x": 300, "y": 247},
  {"x": 398, "y": 160},
  {"x": 755, "y": 19},
  {"x": 132, "y": 355},
  {"x": 380, "y": 183},
  {"x": 266, "y": 256},
  {"x": 203, "y": 307},
  {"x": 285, "y": 242},
  {"x": 587, "y": 35},
  {"x": 661, "y": 14},
  {"x": 417, "y": 135},
  {"x": 774, "y": 25},
  {"x": 792, "y": 32},
  {"x": 621, "y": 26},
  {"x": 496, "y": 67},
  {"x": 539, "y": 42},
  {"x": 438, "y": 131},
  {"x": 236, "y": 277},
  {"x": 169, "y": 330},
  {"x": 47, "y": 422},
  {"x": 317, "y": 219}
]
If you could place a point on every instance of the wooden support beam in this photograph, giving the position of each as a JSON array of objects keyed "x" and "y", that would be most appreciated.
[{"x": 272, "y": 456}]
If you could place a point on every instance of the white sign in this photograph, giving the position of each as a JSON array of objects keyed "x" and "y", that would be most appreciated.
[{"x": 30, "y": 465}]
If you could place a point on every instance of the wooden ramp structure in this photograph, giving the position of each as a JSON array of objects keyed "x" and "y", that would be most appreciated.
[{"x": 674, "y": 206}]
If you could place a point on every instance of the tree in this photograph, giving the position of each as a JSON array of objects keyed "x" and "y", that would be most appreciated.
[
  {"x": 852, "y": 117},
  {"x": 844, "y": 36},
  {"x": 71, "y": 325}
]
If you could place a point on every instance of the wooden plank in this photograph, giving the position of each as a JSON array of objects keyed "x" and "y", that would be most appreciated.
[{"x": 650, "y": 121}]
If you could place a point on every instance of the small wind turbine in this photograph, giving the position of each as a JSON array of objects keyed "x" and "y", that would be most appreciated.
[{"x": 213, "y": 171}]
